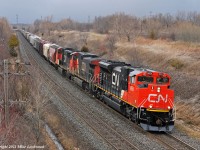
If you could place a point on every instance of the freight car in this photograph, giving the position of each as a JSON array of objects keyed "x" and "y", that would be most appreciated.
[
  {"x": 45, "y": 53},
  {"x": 143, "y": 95}
]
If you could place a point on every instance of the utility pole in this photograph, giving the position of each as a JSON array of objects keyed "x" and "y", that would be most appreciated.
[
  {"x": 88, "y": 23},
  {"x": 17, "y": 18},
  {"x": 6, "y": 74},
  {"x": 5, "y": 77}
]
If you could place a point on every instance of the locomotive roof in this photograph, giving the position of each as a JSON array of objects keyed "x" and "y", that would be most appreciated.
[
  {"x": 118, "y": 68},
  {"x": 110, "y": 65},
  {"x": 54, "y": 46},
  {"x": 91, "y": 59},
  {"x": 132, "y": 70},
  {"x": 34, "y": 36},
  {"x": 69, "y": 48},
  {"x": 67, "y": 51},
  {"x": 84, "y": 54},
  {"x": 38, "y": 39},
  {"x": 113, "y": 63},
  {"x": 139, "y": 70}
]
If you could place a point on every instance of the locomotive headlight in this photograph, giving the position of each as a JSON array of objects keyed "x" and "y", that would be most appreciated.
[
  {"x": 158, "y": 89},
  {"x": 168, "y": 107},
  {"x": 150, "y": 106}
]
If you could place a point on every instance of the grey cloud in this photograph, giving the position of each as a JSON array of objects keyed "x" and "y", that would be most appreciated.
[{"x": 29, "y": 10}]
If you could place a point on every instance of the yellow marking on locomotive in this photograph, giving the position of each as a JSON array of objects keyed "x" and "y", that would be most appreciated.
[
  {"x": 157, "y": 110},
  {"x": 115, "y": 96}
]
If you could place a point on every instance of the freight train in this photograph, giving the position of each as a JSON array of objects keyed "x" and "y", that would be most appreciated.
[{"x": 140, "y": 94}]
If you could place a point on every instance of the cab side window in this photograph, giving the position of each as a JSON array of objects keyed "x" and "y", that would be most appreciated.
[{"x": 132, "y": 79}]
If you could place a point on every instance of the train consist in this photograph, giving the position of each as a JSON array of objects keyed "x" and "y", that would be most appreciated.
[{"x": 140, "y": 94}]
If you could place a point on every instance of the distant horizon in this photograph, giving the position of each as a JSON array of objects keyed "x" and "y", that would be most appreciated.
[
  {"x": 92, "y": 19},
  {"x": 27, "y": 12}
]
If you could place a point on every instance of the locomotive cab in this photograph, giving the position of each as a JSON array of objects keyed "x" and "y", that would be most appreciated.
[{"x": 154, "y": 100}]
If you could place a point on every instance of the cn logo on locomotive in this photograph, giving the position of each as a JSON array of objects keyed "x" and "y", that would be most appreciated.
[{"x": 156, "y": 98}]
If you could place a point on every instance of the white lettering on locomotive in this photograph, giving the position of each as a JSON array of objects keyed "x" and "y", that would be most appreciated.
[
  {"x": 156, "y": 98},
  {"x": 115, "y": 79}
]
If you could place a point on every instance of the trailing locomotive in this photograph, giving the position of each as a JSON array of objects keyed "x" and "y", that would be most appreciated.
[{"x": 143, "y": 95}]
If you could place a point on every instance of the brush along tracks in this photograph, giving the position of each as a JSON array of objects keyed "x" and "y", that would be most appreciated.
[{"x": 110, "y": 135}]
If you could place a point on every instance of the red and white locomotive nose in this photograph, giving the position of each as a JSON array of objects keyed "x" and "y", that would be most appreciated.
[{"x": 159, "y": 97}]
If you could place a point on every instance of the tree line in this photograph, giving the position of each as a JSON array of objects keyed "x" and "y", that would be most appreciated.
[{"x": 182, "y": 26}]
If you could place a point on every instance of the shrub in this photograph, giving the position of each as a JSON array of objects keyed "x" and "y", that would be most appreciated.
[
  {"x": 13, "y": 52},
  {"x": 177, "y": 64},
  {"x": 84, "y": 49},
  {"x": 102, "y": 53},
  {"x": 188, "y": 32},
  {"x": 152, "y": 35},
  {"x": 172, "y": 36},
  {"x": 13, "y": 41}
]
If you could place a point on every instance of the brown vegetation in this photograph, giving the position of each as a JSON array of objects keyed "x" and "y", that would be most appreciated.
[
  {"x": 5, "y": 32},
  {"x": 23, "y": 125}
]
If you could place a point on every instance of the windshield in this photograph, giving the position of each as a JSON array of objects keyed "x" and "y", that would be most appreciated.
[
  {"x": 145, "y": 79},
  {"x": 161, "y": 80}
]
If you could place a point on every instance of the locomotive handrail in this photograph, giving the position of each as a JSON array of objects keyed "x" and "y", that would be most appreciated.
[
  {"x": 138, "y": 113},
  {"x": 174, "y": 110},
  {"x": 174, "y": 113},
  {"x": 142, "y": 103}
]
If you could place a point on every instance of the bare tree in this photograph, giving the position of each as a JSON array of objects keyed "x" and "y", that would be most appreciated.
[
  {"x": 117, "y": 25},
  {"x": 101, "y": 24},
  {"x": 181, "y": 16},
  {"x": 5, "y": 33},
  {"x": 131, "y": 28},
  {"x": 127, "y": 26},
  {"x": 110, "y": 43},
  {"x": 38, "y": 103},
  {"x": 153, "y": 27},
  {"x": 84, "y": 38},
  {"x": 193, "y": 17},
  {"x": 19, "y": 129},
  {"x": 166, "y": 20},
  {"x": 66, "y": 24},
  {"x": 5, "y": 30},
  {"x": 46, "y": 25}
]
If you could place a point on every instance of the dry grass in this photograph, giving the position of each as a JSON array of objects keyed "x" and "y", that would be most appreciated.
[
  {"x": 188, "y": 116},
  {"x": 190, "y": 130},
  {"x": 187, "y": 112},
  {"x": 59, "y": 128},
  {"x": 48, "y": 141}
]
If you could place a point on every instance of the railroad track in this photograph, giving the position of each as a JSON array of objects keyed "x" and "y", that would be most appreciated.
[
  {"x": 168, "y": 140},
  {"x": 110, "y": 135},
  {"x": 172, "y": 142}
]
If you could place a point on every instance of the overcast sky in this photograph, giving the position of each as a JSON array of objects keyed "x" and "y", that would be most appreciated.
[{"x": 29, "y": 10}]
